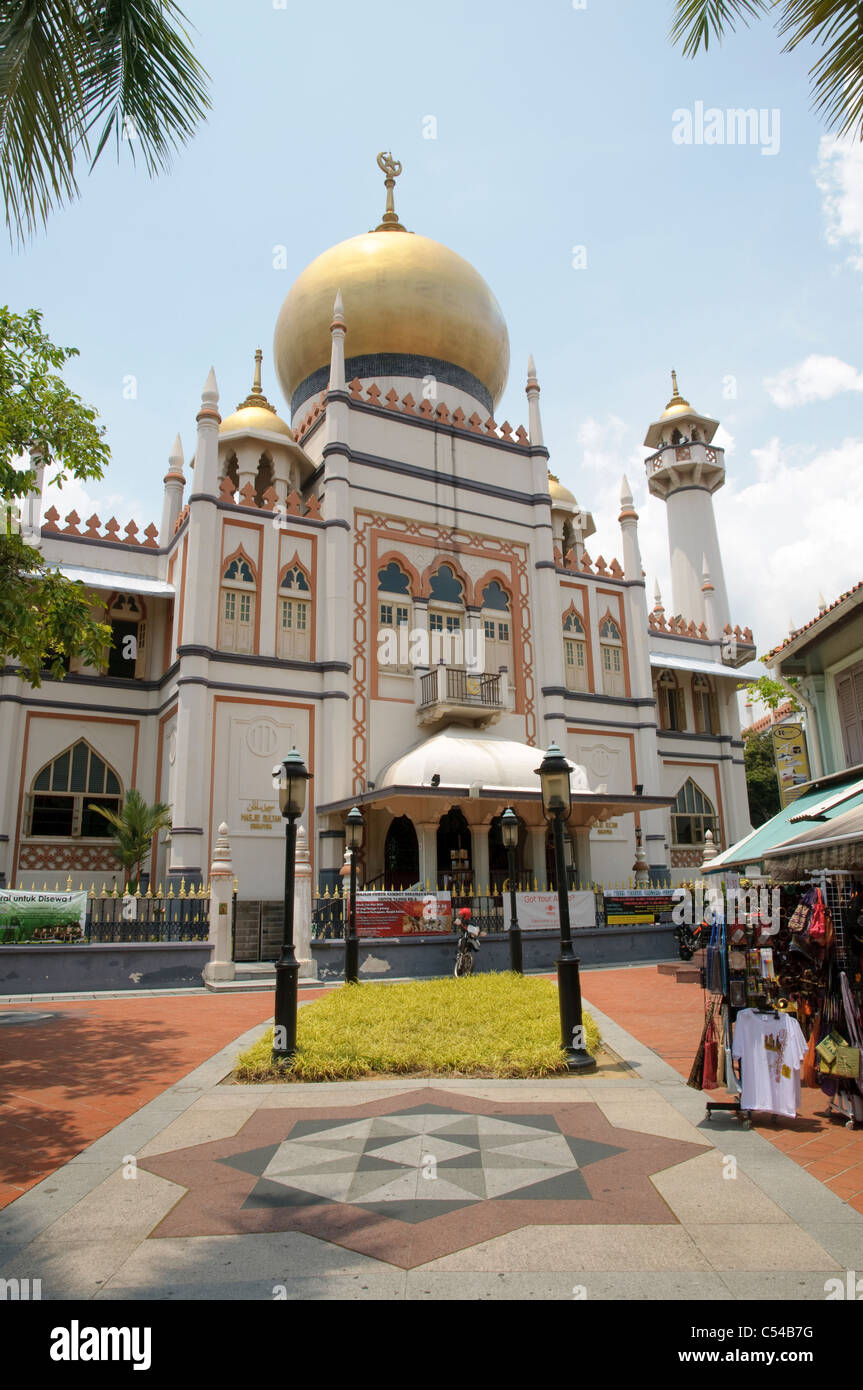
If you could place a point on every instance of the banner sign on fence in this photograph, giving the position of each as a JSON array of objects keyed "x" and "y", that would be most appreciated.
[
  {"x": 27, "y": 910},
  {"x": 539, "y": 911},
  {"x": 396, "y": 914},
  {"x": 637, "y": 906}
]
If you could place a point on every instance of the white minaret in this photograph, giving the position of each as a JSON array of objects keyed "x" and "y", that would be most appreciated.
[
  {"x": 174, "y": 485},
  {"x": 684, "y": 471},
  {"x": 534, "y": 427}
]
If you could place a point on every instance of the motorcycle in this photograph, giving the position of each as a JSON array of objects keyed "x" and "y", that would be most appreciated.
[
  {"x": 468, "y": 945},
  {"x": 689, "y": 940}
]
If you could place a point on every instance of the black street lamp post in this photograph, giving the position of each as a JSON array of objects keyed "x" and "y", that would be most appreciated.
[
  {"x": 289, "y": 779},
  {"x": 554, "y": 775},
  {"x": 353, "y": 839},
  {"x": 509, "y": 831}
]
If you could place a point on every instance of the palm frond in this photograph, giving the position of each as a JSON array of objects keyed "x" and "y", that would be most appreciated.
[
  {"x": 696, "y": 20},
  {"x": 837, "y": 77},
  {"x": 68, "y": 66},
  {"x": 144, "y": 85},
  {"x": 41, "y": 122}
]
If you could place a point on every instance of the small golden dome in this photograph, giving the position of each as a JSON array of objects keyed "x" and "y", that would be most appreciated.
[
  {"x": 255, "y": 413},
  {"x": 404, "y": 295},
  {"x": 559, "y": 493},
  {"x": 677, "y": 405}
]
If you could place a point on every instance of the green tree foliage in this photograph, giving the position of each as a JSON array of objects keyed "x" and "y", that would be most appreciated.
[
  {"x": 134, "y": 827},
  {"x": 835, "y": 27},
  {"x": 77, "y": 75},
  {"x": 762, "y": 784},
  {"x": 44, "y": 618},
  {"x": 770, "y": 693}
]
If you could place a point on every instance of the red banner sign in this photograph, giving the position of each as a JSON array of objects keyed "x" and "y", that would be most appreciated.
[{"x": 393, "y": 914}]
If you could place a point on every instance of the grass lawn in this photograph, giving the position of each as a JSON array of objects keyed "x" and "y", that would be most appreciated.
[{"x": 488, "y": 1025}]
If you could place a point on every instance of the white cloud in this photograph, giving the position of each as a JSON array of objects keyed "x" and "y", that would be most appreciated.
[
  {"x": 817, "y": 378},
  {"x": 75, "y": 496},
  {"x": 839, "y": 177}
]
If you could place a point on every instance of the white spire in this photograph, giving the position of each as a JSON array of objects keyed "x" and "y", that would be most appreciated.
[
  {"x": 657, "y": 596},
  {"x": 210, "y": 393},
  {"x": 337, "y": 380},
  {"x": 705, "y": 574},
  {"x": 176, "y": 458},
  {"x": 822, "y": 603},
  {"x": 535, "y": 417},
  {"x": 626, "y": 498}
]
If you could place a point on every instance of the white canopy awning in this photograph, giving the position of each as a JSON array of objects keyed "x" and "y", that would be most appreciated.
[
  {"x": 115, "y": 580},
  {"x": 670, "y": 660}
]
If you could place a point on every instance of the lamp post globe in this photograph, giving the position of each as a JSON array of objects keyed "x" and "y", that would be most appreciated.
[
  {"x": 289, "y": 780},
  {"x": 554, "y": 775},
  {"x": 509, "y": 829},
  {"x": 354, "y": 827}
]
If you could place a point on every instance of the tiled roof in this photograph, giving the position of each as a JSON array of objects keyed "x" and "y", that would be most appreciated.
[{"x": 815, "y": 621}]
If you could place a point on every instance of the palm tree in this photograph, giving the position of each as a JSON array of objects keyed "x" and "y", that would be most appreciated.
[
  {"x": 135, "y": 826},
  {"x": 74, "y": 73},
  {"x": 836, "y": 26}
]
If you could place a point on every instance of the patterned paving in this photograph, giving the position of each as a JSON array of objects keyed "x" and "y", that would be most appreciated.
[{"x": 410, "y": 1183}]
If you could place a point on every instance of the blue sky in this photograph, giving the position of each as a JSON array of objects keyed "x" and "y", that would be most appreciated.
[{"x": 554, "y": 130}]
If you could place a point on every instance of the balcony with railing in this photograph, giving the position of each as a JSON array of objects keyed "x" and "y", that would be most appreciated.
[{"x": 453, "y": 692}]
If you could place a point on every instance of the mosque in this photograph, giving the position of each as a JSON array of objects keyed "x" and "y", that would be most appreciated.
[{"x": 255, "y": 619}]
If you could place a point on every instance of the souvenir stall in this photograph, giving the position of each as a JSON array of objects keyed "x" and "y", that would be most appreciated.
[{"x": 783, "y": 1002}]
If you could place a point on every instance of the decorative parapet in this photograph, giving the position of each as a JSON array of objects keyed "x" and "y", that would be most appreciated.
[
  {"x": 426, "y": 410},
  {"x": 269, "y": 502},
  {"x": 679, "y": 627},
  {"x": 93, "y": 533},
  {"x": 585, "y": 565}
]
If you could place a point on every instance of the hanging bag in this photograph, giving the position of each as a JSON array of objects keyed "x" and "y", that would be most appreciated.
[
  {"x": 818, "y": 921},
  {"x": 711, "y": 1055}
]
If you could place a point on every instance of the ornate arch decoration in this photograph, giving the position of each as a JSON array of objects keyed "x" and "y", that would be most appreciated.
[
  {"x": 609, "y": 618},
  {"x": 390, "y": 558},
  {"x": 64, "y": 788},
  {"x": 291, "y": 567},
  {"x": 504, "y": 585},
  {"x": 452, "y": 563},
  {"x": 232, "y": 568},
  {"x": 130, "y": 607},
  {"x": 573, "y": 622}
]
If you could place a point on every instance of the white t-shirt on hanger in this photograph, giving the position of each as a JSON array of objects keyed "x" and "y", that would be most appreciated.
[{"x": 770, "y": 1051}]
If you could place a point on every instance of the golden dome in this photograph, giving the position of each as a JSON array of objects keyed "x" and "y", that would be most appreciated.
[
  {"x": 677, "y": 405},
  {"x": 255, "y": 413},
  {"x": 559, "y": 493},
  {"x": 403, "y": 295}
]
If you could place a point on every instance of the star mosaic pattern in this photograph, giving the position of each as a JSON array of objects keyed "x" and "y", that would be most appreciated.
[
  {"x": 423, "y": 1162},
  {"x": 417, "y": 1176}
]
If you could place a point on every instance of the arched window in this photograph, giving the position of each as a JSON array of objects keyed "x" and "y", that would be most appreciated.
[
  {"x": 497, "y": 629},
  {"x": 446, "y": 617},
  {"x": 395, "y": 612},
  {"x": 692, "y": 815},
  {"x": 611, "y": 656},
  {"x": 237, "y": 616},
  {"x": 704, "y": 702},
  {"x": 295, "y": 615},
  {"x": 64, "y": 790},
  {"x": 127, "y": 616},
  {"x": 672, "y": 712},
  {"x": 264, "y": 478},
  {"x": 454, "y": 845},
  {"x": 575, "y": 652},
  {"x": 232, "y": 471}
]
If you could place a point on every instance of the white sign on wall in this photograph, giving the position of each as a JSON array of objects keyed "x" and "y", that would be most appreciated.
[{"x": 539, "y": 911}]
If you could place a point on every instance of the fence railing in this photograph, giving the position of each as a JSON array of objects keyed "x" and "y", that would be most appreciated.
[{"x": 138, "y": 917}]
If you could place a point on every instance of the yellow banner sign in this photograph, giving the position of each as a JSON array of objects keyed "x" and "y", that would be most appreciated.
[{"x": 792, "y": 760}]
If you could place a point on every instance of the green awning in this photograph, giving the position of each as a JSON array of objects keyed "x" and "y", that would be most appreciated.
[{"x": 818, "y": 804}]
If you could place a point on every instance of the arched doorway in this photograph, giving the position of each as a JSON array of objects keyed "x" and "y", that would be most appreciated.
[
  {"x": 401, "y": 854},
  {"x": 454, "y": 839},
  {"x": 498, "y": 858}
]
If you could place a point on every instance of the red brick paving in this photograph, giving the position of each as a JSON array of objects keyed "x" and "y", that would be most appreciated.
[
  {"x": 65, "y": 1083},
  {"x": 668, "y": 1018}
]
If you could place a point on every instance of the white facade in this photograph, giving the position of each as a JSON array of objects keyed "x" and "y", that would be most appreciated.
[{"x": 255, "y": 616}]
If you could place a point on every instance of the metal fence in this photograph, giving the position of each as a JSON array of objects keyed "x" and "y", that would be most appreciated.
[
  {"x": 139, "y": 917},
  {"x": 329, "y": 913}
]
